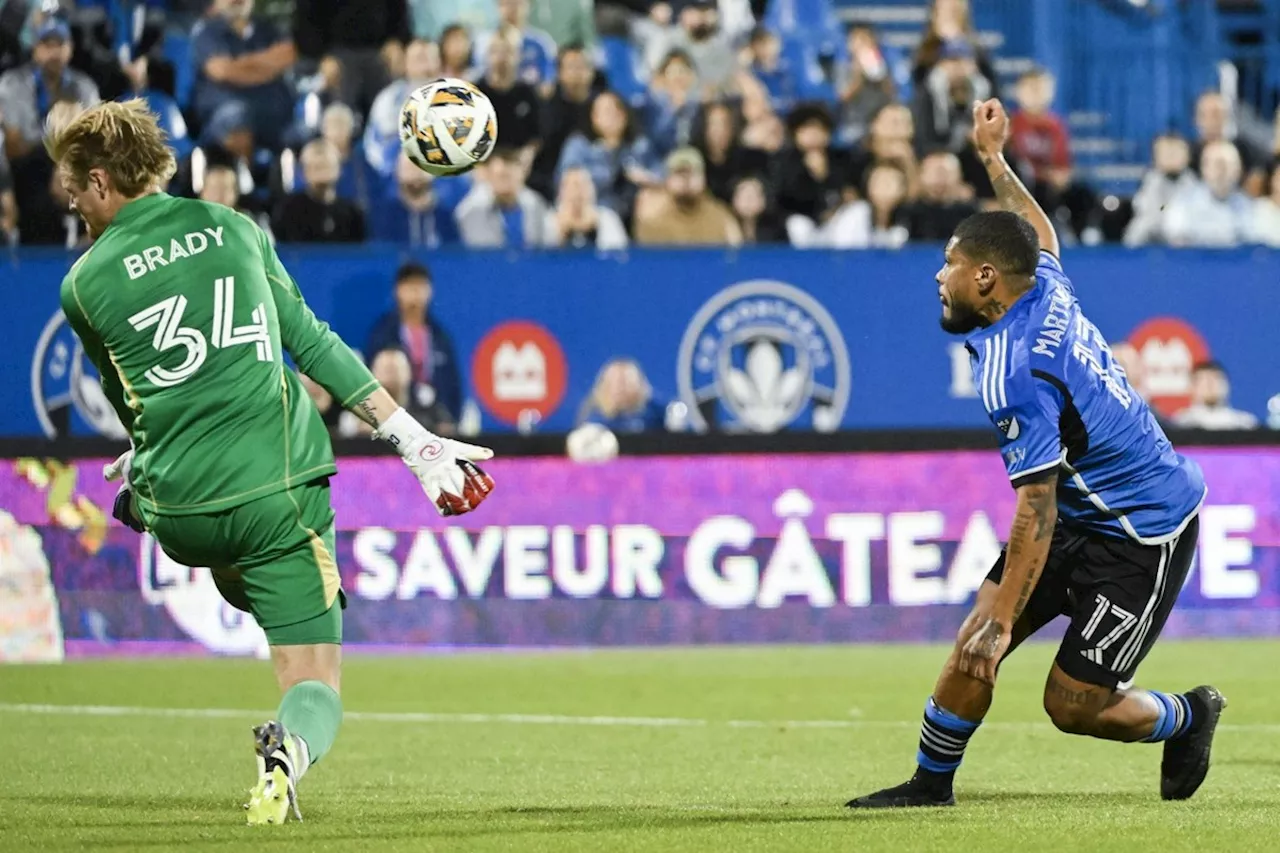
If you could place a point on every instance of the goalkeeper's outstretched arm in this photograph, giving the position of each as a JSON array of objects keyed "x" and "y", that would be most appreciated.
[{"x": 990, "y": 135}]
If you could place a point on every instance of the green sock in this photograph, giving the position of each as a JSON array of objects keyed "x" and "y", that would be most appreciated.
[{"x": 312, "y": 711}]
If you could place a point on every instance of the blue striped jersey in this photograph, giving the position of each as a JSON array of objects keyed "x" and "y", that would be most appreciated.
[{"x": 1059, "y": 401}]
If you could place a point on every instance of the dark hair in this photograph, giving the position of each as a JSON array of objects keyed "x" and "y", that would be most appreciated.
[
  {"x": 413, "y": 269},
  {"x": 698, "y": 134},
  {"x": 1001, "y": 238},
  {"x": 1211, "y": 364},
  {"x": 628, "y": 124},
  {"x": 677, "y": 55},
  {"x": 807, "y": 112},
  {"x": 506, "y": 153},
  {"x": 759, "y": 33}
]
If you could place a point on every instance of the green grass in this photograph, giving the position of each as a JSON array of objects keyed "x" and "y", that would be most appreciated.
[{"x": 702, "y": 783}]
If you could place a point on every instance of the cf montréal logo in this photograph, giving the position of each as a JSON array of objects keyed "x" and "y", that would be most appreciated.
[
  {"x": 762, "y": 356},
  {"x": 63, "y": 381}
]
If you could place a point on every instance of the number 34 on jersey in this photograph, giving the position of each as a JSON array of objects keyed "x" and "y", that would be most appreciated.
[{"x": 166, "y": 317}]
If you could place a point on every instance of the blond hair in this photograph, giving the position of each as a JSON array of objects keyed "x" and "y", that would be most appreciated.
[{"x": 123, "y": 139}]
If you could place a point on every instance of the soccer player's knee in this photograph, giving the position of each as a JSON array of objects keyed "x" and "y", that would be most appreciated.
[{"x": 1069, "y": 716}]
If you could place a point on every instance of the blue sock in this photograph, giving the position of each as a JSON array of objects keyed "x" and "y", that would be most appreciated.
[
  {"x": 943, "y": 738},
  {"x": 1174, "y": 716}
]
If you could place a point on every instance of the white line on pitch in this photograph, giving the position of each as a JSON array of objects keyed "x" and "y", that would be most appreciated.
[{"x": 535, "y": 719}]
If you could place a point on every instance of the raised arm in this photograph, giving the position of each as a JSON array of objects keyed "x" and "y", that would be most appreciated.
[{"x": 991, "y": 134}]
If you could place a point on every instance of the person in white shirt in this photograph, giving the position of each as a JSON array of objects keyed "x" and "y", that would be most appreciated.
[
  {"x": 1266, "y": 213},
  {"x": 1211, "y": 402},
  {"x": 1214, "y": 213}
]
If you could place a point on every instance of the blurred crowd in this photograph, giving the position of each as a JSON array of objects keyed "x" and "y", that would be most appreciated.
[{"x": 707, "y": 122}]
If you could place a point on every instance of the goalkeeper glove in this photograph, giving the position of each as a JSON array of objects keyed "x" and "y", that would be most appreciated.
[
  {"x": 445, "y": 468},
  {"x": 122, "y": 507}
]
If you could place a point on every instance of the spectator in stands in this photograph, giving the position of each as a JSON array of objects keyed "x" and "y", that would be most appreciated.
[
  {"x": 27, "y": 94},
  {"x": 62, "y": 227},
  {"x": 242, "y": 64},
  {"x": 566, "y": 112},
  {"x": 943, "y": 102},
  {"x": 618, "y": 159},
  {"x": 536, "y": 51},
  {"x": 865, "y": 85},
  {"x": 783, "y": 81},
  {"x": 222, "y": 186},
  {"x": 1213, "y": 212},
  {"x": 338, "y": 126},
  {"x": 815, "y": 186},
  {"x": 366, "y": 37},
  {"x": 889, "y": 139},
  {"x": 330, "y": 413},
  {"x": 1211, "y": 402},
  {"x": 1266, "y": 215},
  {"x": 1170, "y": 176},
  {"x": 382, "y": 128},
  {"x": 394, "y": 372},
  {"x": 1041, "y": 145},
  {"x": 503, "y": 212},
  {"x": 565, "y": 21},
  {"x": 318, "y": 214},
  {"x": 944, "y": 201},
  {"x": 715, "y": 135},
  {"x": 1214, "y": 124},
  {"x": 757, "y": 217},
  {"x": 160, "y": 103},
  {"x": 412, "y": 328},
  {"x": 228, "y": 141},
  {"x": 433, "y": 19},
  {"x": 951, "y": 21},
  {"x": 672, "y": 105},
  {"x": 456, "y": 53},
  {"x": 515, "y": 102},
  {"x": 8, "y": 206},
  {"x": 762, "y": 131},
  {"x": 417, "y": 210},
  {"x": 316, "y": 92},
  {"x": 578, "y": 222},
  {"x": 622, "y": 400},
  {"x": 699, "y": 36},
  {"x": 886, "y": 193},
  {"x": 685, "y": 214}
]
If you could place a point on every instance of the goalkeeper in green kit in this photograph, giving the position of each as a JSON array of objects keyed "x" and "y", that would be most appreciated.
[{"x": 187, "y": 313}]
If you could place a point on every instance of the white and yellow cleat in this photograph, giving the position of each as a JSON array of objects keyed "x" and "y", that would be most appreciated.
[{"x": 276, "y": 793}]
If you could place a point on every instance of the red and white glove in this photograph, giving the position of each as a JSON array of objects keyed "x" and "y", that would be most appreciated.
[{"x": 445, "y": 468}]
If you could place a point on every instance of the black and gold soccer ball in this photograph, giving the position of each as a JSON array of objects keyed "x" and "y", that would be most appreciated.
[{"x": 447, "y": 126}]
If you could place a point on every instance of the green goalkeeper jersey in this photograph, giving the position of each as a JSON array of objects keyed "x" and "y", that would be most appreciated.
[{"x": 187, "y": 312}]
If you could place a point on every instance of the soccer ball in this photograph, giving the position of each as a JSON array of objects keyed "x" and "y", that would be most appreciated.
[{"x": 447, "y": 127}]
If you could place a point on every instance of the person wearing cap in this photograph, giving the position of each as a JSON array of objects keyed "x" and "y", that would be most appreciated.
[
  {"x": 27, "y": 94},
  {"x": 684, "y": 213},
  {"x": 29, "y": 91},
  {"x": 242, "y": 62},
  {"x": 943, "y": 106}
]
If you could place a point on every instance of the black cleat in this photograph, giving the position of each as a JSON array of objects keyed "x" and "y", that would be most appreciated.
[
  {"x": 912, "y": 793},
  {"x": 1186, "y": 759}
]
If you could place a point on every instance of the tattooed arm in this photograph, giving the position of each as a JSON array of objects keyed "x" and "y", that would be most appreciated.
[
  {"x": 1033, "y": 522},
  {"x": 1025, "y": 556},
  {"x": 991, "y": 134}
]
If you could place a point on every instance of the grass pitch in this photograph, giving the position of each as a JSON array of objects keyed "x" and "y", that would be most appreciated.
[{"x": 739, "y": 749}]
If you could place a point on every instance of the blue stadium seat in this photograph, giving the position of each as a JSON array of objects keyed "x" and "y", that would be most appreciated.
[{"x": 177, "y": 49}]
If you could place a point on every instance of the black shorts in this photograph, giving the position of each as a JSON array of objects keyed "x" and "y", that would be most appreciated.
[{"x": 1117, "y": 593}]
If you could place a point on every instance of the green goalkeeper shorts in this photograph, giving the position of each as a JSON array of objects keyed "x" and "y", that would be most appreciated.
[{"x": 272, "y": 558}]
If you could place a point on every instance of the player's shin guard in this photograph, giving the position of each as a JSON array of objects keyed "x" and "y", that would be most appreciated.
[
  {"x": 311, "y": 711},
  {"x": 1174, "y": 715},
  {"x": 943, "y": 738}
]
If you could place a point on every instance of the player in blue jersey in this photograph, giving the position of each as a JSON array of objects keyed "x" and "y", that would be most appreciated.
[{"x": 1107, "y": 511}]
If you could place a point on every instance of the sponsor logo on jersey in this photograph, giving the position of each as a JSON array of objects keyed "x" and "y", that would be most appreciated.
[
  {"x": 1009, "y": 426},
  {"x": 519, "y": 372},
  {"x": 761, "y": 356},
  {"x": 1014, "y": 457},
  {"x": 63, "y": 382},
  {"x": 1169, "y": 348}
]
